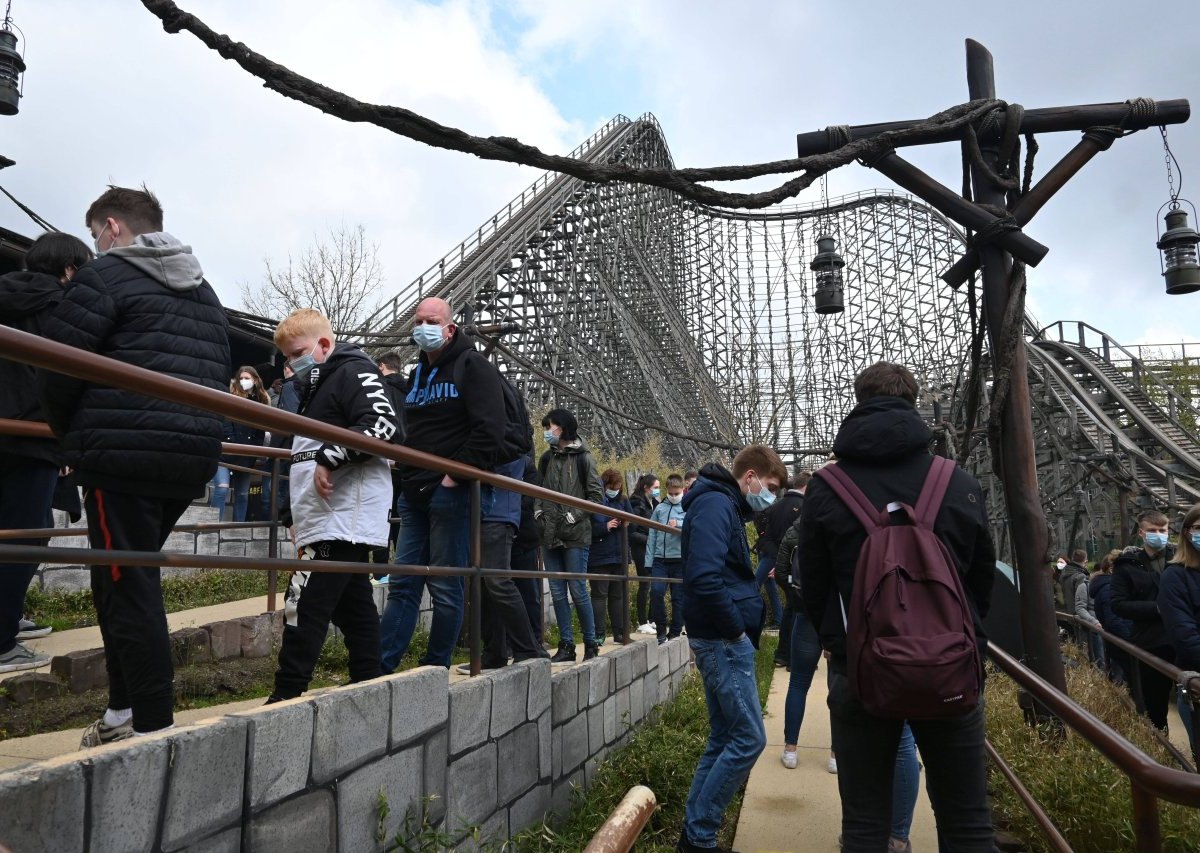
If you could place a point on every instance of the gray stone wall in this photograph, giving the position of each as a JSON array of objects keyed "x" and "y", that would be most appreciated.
[{"x": 497, "y": 752}]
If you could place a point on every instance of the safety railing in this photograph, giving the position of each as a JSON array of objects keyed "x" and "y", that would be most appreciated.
[
  {"x": 36, "y": 351},
  {"x": 620, "y": 832}
]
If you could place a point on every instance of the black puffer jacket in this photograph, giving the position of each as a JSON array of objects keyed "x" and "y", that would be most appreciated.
[
  {"x": 883, "y": 446},
  {"x": 1134, "y": 589},
  {"x": 146, "y": 305},
  {"x": 26, "y": 299}
]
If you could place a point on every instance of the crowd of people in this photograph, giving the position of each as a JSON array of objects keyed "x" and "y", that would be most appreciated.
[{"x": 903, "y": 637}]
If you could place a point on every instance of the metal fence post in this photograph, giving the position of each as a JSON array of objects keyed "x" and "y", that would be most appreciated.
[
  {"x": 273, "y": 541},
  {"x": 474, "y": 610},
  {"x": 1147, "y": 833},
  {"x": 624, "y": 584}
]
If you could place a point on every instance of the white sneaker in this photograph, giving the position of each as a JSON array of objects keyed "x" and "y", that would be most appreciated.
[
  {"x": 21, "y": 657},
  {"x": 789, "y": 759},
  {"x": 27, "y": 629},
  {"x": 99, "y": 733},
  {"x": 647, "y": 628},
  {"x": 832, "y": 765}
]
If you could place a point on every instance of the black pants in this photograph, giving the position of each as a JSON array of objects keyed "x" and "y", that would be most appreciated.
[
  {"x": 955, "y": 774},
  {"x": 505, "y": 619},
  {"x": 313, "y": 600},
  {"x": 606, "y": 602},
  {"x": 638, "y": 552},
  {"x": 525, "y": 558},
  {"x": 26, "y": 489},
  {"x": 129, "y": 604},
  {"x": 1158, "y": 691}
]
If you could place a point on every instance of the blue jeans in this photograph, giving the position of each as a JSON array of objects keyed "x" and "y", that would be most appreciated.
[
  {"x": 433, "y": 535},
  {"x": 906, "y": 781},
  {"x": 658, "y": 597},
  {"x": 765, "y": 564},
  {"x": 240, "y": 482},
  {"x": 573, "y": 560},
  {"x": 1185, "y": 714},
  {"x": 804, "y": 656},
  {"x": 26, "y": 490},
  {"x": 736, "y": 733}
]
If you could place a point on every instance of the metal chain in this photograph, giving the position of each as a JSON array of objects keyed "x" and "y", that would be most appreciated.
[{"x": 1169, "y": 159}]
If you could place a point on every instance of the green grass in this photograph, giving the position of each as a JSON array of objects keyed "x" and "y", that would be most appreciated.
[
  {"x": 662, "y": 755},
  {"x": 66, "y": 610},
  {"x": 1086, "y": 796}
]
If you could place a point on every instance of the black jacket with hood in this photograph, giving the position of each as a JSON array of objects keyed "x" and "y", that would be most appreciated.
[
  {"x": 1134, "y": 589},
  {"x": 26, "y": 300},
  {"x": 148, "y": 305},
  {"x": 464, "y": 424},
  {"x": 883, "y": 446}
]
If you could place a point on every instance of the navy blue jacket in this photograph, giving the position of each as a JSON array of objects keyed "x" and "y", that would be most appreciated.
[
  {"x": 1100, "y": 589},
  {"x": 506, "y": 505},
  {"x": 720, "y": 594},
  {"x": 606, "y": 544},
  {"x": 1179, "y": 603}
]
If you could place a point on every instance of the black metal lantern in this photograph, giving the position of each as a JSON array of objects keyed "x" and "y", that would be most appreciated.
[
  {"x": 1180, "y": 263},
  {"x": 827, "y": 266},
  {"x": 11, "y": 68}
]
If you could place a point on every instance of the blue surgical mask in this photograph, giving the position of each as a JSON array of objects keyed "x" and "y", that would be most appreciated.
[
  {"x": 305, "y": 363},
  {"x": 761, "y": 499},
  {"x": 1196, "y": 540},
  {"x": 611, "y": 493},
  {"x": 656, "y": 493},
  {"x": 428, "y": 336},
  {"x": 551, "y": 438},
  {"x": 1157, "y": 541}
]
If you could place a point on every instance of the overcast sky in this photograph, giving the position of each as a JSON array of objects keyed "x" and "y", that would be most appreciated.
[{"x": 245, "y": 174}]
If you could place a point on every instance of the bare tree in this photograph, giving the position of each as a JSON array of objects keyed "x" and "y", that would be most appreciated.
[{"x": 339, "y": 275}]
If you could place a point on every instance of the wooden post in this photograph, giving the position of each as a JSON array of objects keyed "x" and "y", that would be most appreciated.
[{"x": 1018, "y": 453}]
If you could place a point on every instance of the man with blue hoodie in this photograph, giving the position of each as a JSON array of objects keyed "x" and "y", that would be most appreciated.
[
  {"x": 724, "y": 617},
  {"x": 665, "y": 556}
]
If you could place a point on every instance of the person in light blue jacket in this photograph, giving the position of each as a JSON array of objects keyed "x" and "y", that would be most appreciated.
[{"x": 665, "y": 555}]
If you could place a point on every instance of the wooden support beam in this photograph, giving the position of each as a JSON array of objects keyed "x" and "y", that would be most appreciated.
[
  {"x": 1045, "y": 120},
  {"x": 955, "y": 206}
]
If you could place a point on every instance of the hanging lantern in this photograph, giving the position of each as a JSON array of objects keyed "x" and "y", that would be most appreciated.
[
  {"x": 827, "y": 266},
  {"x": 11, "y": 68},
  {"x": 1180, "y": 264}
]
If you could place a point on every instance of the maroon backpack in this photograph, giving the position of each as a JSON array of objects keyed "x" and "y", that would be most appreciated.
[{"x": 910, "y": 634}]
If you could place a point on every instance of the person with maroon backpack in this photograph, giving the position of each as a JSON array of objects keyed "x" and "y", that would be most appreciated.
[{"x": 896, "y": 565}]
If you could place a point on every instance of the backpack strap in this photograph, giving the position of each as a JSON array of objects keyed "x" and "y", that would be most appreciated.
[
  {"x": 937, "y": 480},
  {"x": 851, "y": 495}
]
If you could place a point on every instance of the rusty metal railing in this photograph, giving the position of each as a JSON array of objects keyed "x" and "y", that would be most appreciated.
[{"x": 620, "y": 831}]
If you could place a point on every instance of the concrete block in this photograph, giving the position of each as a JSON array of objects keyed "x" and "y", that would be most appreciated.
[
  {"x": 350, "y": 729},
  {"x": 436, "y": 756},
  {"x": 517, "y": 762},
  {"x": 598, "y": 674},
  {"x": 33, "y": 686},
  {"x": 229, "y": 548},
  {"x": 128, "y": 781},
  {"x": 81, "y": 670},
  {"x": 471, "y": 790},
  {"x": 622, "y": 665},
  {"x": 611, "y": 726},
  {"x": 208, "y": 544},
  {"x": 637, "y": 701},
  {"x": 539, "y": 687},
  {"x": 256, "y": 636},
  {"x": 556, "y": 742},
  {"x": 593, "y": 765},
  {"x": 224, "y": 639},
  {"x": 259, "y": 548},
  {"x": 652, "y": 655},
  {"x": 575, "y": 742},
  {"x": 595, "y": 728},
  {"x": 664, "y": 687},
  {"x": 650, "y": 686},
  {"x": 208, "y": 765},
  {"x": 530, "y": 809},
  {"x": 470, "y": 714},
  {"x": 564, "y": 690},
  {"x": 510, "y": 698},
  {"x": 562, "y": 795},
  {"x": 306, "y": 824},
  {"x": 227, "y": 841},
  {"x": 41, "y": 807},
  {"x": 399, "y": 778},
  {"x": 278, "y": 749},
  {"x": 67, "y": 578},
  {"x": 277, "y": 619},
  {"x": 677, "y": 648},
  {"x": 486, "y": 837},
  {"x": 639, "y": 658},
  {"x": 544, "y": 745},
  {"x": 622, "y": 711},
  {"x": 235, "y": 534},
  {"x": 189, "y": 646},
  {"x": 420, "y": 703}
]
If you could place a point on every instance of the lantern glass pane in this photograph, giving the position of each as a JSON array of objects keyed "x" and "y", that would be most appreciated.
[{"x": 1179, "y": 255}]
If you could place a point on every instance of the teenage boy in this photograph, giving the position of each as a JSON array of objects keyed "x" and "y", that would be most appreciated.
[
  {"x": 724, "y": 617},
  {"x": 340, "y": 499},
  {"x": 663, "y": 552}
]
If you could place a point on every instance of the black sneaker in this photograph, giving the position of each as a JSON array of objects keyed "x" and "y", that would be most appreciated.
[
  {"x": 565, "y": 653},
  {"x": 590, "y": 650}
]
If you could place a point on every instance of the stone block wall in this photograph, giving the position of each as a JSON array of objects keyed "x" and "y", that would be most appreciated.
[{"x": 497, "y": 752}]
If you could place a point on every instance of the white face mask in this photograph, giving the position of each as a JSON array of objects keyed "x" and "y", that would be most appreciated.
[
  {"x": 674, "y": 499},
  {"x": 247, "y": 384},
  {"x": 1062, "y": 564}
]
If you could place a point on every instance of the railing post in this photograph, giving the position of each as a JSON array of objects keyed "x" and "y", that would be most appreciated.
[
  {"x": 273, "y": 541},
  {"x": 474, "y": 602},
  {"x": 624, "y": 582},
  {"x": 1147, "y": 834}
]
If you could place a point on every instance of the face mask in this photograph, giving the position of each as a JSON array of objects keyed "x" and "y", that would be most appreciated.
[
  {"x": 428, "y": 336},
  {"x": 674, "y": 499},
  {"x": 761, "y": 499},
  {"x": 1157, "y": 541},
  {"x": 247, "y": 384},
  {"x": 612, "y": 493},
  {"x": 551, "y": 438},
  {"x": 305, "y": 363},
  {"x": 1196, "y": 540},
  {"x": 1062, "y": 564},
  {"x": 101, "y": 252},
  {"x": 656, "y": 493}
]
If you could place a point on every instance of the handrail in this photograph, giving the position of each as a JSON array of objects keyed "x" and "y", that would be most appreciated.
[
  {"x": 37, "y": 429},
  {"x": 620, "y": 831},
  {"x": 1031, "y": 805}
]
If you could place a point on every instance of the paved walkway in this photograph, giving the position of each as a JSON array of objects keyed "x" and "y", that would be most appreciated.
[{"x": 799, "y": 810}]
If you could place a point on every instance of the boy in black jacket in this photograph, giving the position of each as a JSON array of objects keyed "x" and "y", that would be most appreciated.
[{"x": 340, "y": 500}]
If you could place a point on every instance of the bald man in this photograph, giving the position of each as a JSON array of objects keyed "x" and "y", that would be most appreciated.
[{"x": 453, "y": 407}]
